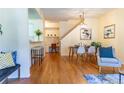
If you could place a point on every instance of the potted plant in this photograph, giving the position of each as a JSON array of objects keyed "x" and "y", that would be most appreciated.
[
  {"x": 38, "y": 33},
  {"x": 96, "y": 44}
]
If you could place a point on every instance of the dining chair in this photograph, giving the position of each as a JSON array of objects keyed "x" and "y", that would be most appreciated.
[
  {"x": 53, "y": 47},
  {"x": 81, "y": 52},
  {"x": 91, "y": 53}
]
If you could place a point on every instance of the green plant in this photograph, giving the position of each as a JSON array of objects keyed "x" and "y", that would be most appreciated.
[
  {"x": 96, "y": 44},
  {"x": 38, "y": 33}
]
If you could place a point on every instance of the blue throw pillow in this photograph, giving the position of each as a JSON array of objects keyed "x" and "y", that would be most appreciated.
[
  {"x": 106, "y": 52},
  {"x": 14, "y": 56}
]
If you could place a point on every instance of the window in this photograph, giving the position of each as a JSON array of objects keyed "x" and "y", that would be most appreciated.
[{"x": 33, "y": 26}]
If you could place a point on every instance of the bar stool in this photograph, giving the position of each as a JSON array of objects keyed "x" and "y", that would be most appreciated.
[{"x": 36, "y": 55}]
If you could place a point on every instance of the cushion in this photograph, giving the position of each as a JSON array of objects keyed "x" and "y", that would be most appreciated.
[
  {"x": 14, "y": 56},
  {"x": 6, "y": 61},
  {"x": 106, "y": 52},
  {"x": 109, "y": 60}
]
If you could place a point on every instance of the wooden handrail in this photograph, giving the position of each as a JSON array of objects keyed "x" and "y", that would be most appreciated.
[{"x": 70, "y": 30}]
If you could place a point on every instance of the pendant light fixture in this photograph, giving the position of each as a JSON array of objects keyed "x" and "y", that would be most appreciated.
[{"x": 83, "y": 25}]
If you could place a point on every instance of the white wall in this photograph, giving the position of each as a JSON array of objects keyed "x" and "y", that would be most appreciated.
[
  {"x": 52, "y": 32},
  {"x": 15, "y": 37},
  {"x": 51, "y": 24},
  {"x": 116, "y": 17},
  {"x": 23, "y": 42},
  {"x": 74, "y": 37},
  {"x": 8, "y": 41},
  {"x": 65, "y": 26}
]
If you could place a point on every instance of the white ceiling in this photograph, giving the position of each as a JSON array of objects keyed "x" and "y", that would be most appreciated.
[{"x": 57, "y": 14}]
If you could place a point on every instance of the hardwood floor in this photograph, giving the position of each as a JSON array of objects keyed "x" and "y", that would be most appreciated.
[{"x": 59, "y": 70}]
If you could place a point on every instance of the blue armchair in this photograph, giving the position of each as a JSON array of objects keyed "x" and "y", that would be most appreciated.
[{"x": 108, "y": 61}]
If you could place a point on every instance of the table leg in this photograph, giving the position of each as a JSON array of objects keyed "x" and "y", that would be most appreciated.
[
  {"x": 72, "y": 53},
  {"x": 69, "y": 52},
  {"x": 77, "y": 57}
]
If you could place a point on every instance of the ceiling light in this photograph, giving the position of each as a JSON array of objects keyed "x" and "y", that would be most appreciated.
[{"x": 83, "y": 25}]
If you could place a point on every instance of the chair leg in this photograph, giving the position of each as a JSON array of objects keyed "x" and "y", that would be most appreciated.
[
  {"x": 19, "y": 73},
  {"x": 90, "y": 58},
  {"x": 100, "y": 69},
  {"x": 84, "y": 57},
  {"x": 77, "y": 57},
  {"x": 87, "y": 58}
]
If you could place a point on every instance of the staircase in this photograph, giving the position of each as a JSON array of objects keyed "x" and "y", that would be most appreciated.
[{"x": 71, "y": 29}]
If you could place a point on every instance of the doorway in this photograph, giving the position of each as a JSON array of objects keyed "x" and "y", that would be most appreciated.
[{"x": 52, "y": 37}]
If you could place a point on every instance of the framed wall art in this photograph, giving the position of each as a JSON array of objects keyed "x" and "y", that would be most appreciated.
[
  {"x": 109, "y": 31},
  {"x": 85, "y": 34}
]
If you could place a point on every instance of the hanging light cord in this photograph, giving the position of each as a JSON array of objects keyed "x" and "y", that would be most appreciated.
[{"x": 82, "y": 18}]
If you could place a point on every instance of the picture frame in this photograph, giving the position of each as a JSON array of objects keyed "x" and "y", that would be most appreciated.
[
  {"x": 85, "y": 34},
  {"x": 109, "y": 31}
]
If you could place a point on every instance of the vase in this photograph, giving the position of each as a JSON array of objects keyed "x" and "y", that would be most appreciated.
[{"x": 38, "y": 38}]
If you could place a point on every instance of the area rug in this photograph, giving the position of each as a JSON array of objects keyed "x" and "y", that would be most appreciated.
[{"x": 103, "y": 78}]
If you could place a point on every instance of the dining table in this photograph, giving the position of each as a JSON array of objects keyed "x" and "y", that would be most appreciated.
[{"x": 73, "y": 50}]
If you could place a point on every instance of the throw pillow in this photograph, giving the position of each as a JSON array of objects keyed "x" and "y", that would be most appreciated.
[
  {"x": 106, "y": 52},
  {"x": 14, "y": 55},
  {"x": 6, "y": 60}
]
